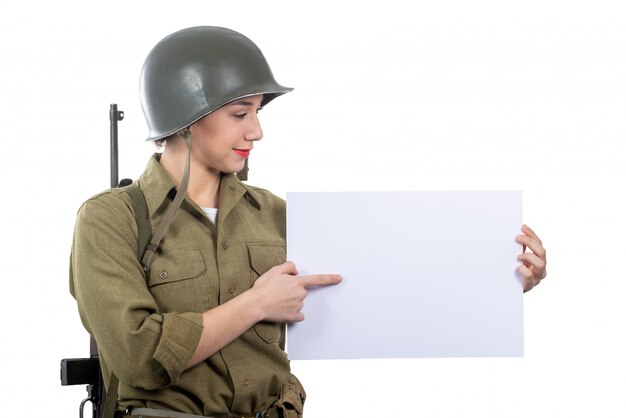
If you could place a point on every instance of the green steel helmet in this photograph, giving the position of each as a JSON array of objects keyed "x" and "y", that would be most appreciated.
[{"x": 194, "y": 71}]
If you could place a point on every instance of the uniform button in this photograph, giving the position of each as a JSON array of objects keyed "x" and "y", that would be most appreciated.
[
  {"x": 232, "y": 290},
  {"x": 246, "y": 381},
  {"x": 163, "y": 274},
  {"x": 224, "y": 245}
]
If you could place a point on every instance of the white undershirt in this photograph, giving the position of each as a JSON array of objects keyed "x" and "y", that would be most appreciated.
[{"x": 211, "y": 213}]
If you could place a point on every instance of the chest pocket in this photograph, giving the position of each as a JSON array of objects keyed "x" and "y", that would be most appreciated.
[
  {"x": 264, "y": 256},
  {"x": 178, "y": 281}
]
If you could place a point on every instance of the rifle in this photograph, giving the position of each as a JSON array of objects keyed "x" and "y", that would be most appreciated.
[{"x": 80, "y": 371}]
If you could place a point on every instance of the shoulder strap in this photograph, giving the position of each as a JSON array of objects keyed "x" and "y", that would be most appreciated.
[
  {"x": 142, "y": 217},
  {"x": 144, "y": 234},
  {"x": 110, "y": 403}
]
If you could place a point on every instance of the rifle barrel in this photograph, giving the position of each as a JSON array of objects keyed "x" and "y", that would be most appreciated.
[{"x": 114, "y": 117}]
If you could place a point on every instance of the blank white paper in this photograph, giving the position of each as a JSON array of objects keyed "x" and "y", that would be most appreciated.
[{"x": 425, "y": 274}]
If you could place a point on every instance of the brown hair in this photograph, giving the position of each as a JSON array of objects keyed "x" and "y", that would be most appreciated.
[{"x": 160, "y": 143}]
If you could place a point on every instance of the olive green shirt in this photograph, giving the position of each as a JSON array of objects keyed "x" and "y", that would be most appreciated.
[{"x": 148, "y": 326}]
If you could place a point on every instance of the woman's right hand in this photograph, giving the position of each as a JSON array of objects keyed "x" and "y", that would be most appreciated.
[{"x": 281, "y": 292}]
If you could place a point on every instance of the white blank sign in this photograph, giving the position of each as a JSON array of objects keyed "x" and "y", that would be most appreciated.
[{"x": 426, "y": 274}]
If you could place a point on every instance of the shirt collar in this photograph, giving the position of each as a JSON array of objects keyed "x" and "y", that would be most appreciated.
[{"x": 157, "y": 185}]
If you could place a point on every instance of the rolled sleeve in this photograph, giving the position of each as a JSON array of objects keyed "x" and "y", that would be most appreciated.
[{"x": 179, "y": 339}]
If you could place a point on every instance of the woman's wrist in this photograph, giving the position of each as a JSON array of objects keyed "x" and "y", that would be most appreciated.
[{"x": 253, "y": 299}]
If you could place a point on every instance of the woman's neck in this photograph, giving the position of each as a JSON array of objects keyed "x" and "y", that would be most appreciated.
[{"x": 204, "y": 184}]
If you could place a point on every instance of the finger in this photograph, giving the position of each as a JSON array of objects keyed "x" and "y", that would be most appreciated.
[
  {"x": 320, "y": 280},
  {"x": 524, "y": 272},
  {"x": 527, "y": 277},
  {"x": 528, "y": 231},
  {"x": 533, "y": 260},
  {"x": 298, "y": 317},
  {"x": 286, "y": 268},
  {"x": 534, "y": 245}
]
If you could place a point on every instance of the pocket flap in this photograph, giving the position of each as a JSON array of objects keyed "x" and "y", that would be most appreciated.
[
  {"x": 264, "y": 256},
  {"x": 175, "y": 265}
]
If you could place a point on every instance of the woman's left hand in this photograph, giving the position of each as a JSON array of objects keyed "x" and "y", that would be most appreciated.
[{"x": 533, "y": 267}]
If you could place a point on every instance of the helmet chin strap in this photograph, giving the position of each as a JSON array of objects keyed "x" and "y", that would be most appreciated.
[
  {"x": 152, "y": 248},
  {"x": 243, "y": 174}
]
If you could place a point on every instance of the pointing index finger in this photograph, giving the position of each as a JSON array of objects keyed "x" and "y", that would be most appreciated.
[{"x": 320, "y": 280}]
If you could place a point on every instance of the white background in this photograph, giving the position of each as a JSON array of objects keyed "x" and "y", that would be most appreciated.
[{"x": 390, "y": 95}]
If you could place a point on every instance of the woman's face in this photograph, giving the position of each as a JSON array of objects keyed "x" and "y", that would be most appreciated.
[{"x": 223, "y": 139}]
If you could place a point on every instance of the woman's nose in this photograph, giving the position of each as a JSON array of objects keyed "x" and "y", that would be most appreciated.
[{"x": 254, "y": 133}]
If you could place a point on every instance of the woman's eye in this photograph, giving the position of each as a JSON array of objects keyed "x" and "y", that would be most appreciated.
[{"x": 243, "y": 115}]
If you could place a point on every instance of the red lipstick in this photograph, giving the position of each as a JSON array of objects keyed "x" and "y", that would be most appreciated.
[{"x": 242, "y": 152}]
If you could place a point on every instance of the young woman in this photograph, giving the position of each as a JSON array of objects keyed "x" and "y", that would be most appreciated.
[
  {"x": 200, "y": 327},
  {"x": 196, "y": 325}
]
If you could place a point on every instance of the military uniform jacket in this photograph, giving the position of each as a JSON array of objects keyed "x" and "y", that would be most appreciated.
[{"x": 147, "y": 326}]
